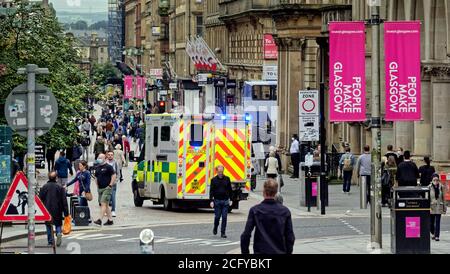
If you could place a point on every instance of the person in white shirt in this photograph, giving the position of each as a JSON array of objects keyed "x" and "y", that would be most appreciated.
[{"x": 295, "y": 155}]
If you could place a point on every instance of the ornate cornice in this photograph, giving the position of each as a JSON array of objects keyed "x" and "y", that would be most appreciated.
[
  {"x": 290, "y": 44},
  {"x": 439, "y": 70}
]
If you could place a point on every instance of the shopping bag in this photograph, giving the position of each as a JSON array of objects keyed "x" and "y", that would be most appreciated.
[
  {"x": 67, "y": 226},
  {"x": 76, "y": 189}
]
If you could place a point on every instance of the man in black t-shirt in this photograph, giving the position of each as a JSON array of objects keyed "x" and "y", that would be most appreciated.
[{"x": 106, "y": 178}]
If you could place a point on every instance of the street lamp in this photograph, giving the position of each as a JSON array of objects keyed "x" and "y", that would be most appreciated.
[
  {"x": 375, "y": 186},
  {"x": 147, "y": 241}
]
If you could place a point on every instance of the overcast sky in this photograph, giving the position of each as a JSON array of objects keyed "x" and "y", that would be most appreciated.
[{"x": 81, "y": 5}]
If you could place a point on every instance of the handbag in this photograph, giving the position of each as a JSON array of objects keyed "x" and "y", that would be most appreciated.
[
  {"x": 67, "y": 226},
  {"x": 87, "y": 195}
]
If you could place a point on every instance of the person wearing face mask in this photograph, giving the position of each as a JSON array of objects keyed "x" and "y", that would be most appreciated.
[
  {"x": 438, "y": 206},
  {"x": 401, "y": 157},
  {"x": 106, "y": 179}
]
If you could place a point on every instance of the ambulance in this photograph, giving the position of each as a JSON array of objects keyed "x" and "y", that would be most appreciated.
[{"x": 182, "y": 153}]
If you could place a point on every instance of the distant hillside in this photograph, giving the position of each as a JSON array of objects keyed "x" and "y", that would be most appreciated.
[{"x": 72, "y": 17}]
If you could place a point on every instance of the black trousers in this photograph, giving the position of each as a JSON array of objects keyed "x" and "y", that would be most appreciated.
[
  {"x": 435, "y": 224},
  {"x": 295, "y": 158},
  {"x": 50, "y": 164}
]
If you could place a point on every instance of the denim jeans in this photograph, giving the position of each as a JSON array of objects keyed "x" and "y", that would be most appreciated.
[
  {"x": 113, "y": 198},
  {"x": 50, "y": 237},
  {"x": 221, "y": 210},
  {"x": 347, "y": 181},
  {"x": 109, "y": 135},
  {"x": 435, "y": 224}
]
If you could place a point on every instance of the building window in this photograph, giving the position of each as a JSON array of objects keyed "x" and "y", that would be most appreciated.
[
  {"x": 200, "y": 26},
  {"x": 102, "y": 50}
]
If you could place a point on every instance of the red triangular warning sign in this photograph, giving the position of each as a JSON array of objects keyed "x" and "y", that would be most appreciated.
[{"x": 15, "y": 205}]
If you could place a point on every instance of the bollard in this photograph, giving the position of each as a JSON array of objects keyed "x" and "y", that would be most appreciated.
[
  {"x": 147, "y": 241},
  {"x": 363, "y": 193}
]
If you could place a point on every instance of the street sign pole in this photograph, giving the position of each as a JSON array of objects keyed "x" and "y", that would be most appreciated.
[
  {"x": 375, "y": 205},
  {"x": 31, "y": 71}
]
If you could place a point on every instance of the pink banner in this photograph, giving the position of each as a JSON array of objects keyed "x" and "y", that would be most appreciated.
[
  {"x": 314, "y": 189},
  {"x": 139, "y": 87},
  {"x": 402, "y": 44},
  {"x": 270, "y": 48},
  {"x": 412, "y": 227},
  {"x": 144, "y": 88},
  {"x": 128, "y": 86},
  {"x": 347, "y": 72}
]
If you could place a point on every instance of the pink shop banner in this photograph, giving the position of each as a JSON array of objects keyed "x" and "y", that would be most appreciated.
[
  {"x": 402, "y": 45},
  {"x": 347, "y": 72},
  {"x": 128, "y": 86},
  {"x": 139, "y": 87}
]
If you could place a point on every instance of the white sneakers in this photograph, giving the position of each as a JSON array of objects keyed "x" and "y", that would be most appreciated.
[{"x": 113, "y": 214}]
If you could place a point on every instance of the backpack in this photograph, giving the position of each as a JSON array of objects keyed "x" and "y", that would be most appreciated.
[{"x": 348, "y": 163}]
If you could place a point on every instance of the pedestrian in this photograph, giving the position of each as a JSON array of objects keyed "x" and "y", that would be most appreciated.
[
  {"x": 86, "y": 142},
  {"x": 86, "y": 126},
  {"x": 99, "y": 129},
  {"x": 272, "y": 166},
  {"x": 273, "y": 222},
  {"x": 256, "y": 170},
  {"x": 99, "y": 147},
  {"x": 388, "y": 179},
  {"x": 109, "y": 146},
  {"x": 295, "y": 155},
  {"x": 155, "y": 109},
  {"x": 401, "y": 155},
  {"x": 110, "y": 160},
  {"x": 109, "y": 130},
  {"x": 346, "y": 163},
  {"x": 117, "y": 140},
  {"x": 126, "y": 149},
  {"x": 50, "y": 156},
  {"x": 220, "y": 194},
  {"x": 140, "y": 135},
  {"x": 391, "y": 152},
  {"x": 407, "y": 171},
  {"x": 119, "y": 157},
  {"x": 106, "y": 179},
  {"x": 438, "y": 206},
  {"x": 426, "y": 171},
  {"x": 83, "y": 178},
  {"x": 364, "y": 169},
  {"x": 53, "y": 196},
  {"x": 76, "y": 155},
  {"x": 92, "y": 120},
  {"x": 63, "y": 168}
]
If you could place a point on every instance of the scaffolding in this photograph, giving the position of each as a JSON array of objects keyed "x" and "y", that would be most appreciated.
[{"x": 116, "y": 29}]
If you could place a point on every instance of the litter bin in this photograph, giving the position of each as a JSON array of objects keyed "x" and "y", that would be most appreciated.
[
  {"x": 310, "y": 186},
  {"x": 410, "y": 220}
]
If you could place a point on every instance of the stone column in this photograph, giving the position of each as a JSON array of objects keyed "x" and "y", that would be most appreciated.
[
  {"x": 355, "y": 138},
  {"x": 289, "y": 84}
]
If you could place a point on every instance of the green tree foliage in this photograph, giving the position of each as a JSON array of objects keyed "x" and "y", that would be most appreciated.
[
  {"x": 80, "y": 25},
  {"x": 102, "y": 73},
  {"x": 99, "y": 25},
  {"x": 31, "y": 34}
]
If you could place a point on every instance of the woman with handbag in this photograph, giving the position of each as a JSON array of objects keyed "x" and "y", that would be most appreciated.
[
  {"x": 438, "y": 206},
  {"x": 84, "y": 180}
]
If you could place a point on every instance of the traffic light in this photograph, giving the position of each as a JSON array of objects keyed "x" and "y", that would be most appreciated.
[{"x": 162, "y": 106}]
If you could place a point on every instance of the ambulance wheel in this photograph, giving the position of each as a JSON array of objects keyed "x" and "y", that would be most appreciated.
[
  {"x": 167, "y": 204},
  {"x": 138, "y": 201}
]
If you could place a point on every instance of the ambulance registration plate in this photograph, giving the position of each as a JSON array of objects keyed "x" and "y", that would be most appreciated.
[{"x": 195, "y": 185}]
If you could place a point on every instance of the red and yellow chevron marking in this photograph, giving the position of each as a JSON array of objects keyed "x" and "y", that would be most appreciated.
[
  {"x": 180, "y": 156},
  {"x": 249, "y": 153},
  {"x": 230, "y": 152},
  {"x": 193, "y": 170}
]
